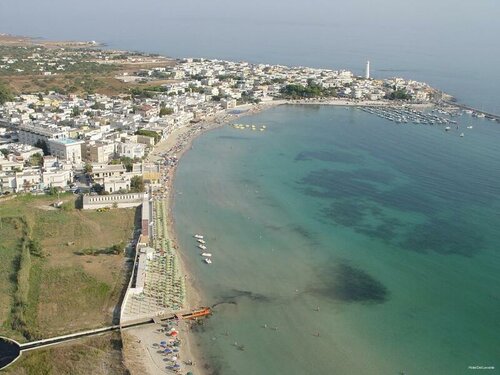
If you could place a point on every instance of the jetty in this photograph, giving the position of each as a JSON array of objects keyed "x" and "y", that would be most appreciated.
[
  {"x": 490, "y": 116},
  {"x": 196, "y": 314}
]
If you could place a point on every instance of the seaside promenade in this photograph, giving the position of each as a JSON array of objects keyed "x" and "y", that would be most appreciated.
[{"x": 158, "y": 283}]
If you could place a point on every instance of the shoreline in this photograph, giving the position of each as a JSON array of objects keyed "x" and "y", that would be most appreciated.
[{"x": 176, "y": 145}]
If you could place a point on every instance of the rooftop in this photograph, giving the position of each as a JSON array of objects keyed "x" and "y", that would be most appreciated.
[{"x": 67, "y": 141}]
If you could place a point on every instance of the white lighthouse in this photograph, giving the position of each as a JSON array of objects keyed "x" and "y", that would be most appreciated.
[{"x": 367, "y": 72}]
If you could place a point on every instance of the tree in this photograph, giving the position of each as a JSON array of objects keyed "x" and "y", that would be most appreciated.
[
  {"x": 165, "y": 111},
  {"x": 43, "y": 145},
  {"x": 76, "y": 111},
  {"x": 52, "y": 190},
  {"x": 98, "y": 105},
  {"x": 127, "y": 162},
  {"x": 149, "y": 133},
  {"x": 5, "y": 94},
  {"x": 137, "y": 184},
  {"x": 36, "y": 160},
  {"x": 117, "y": 248},
  {"x": 99, "y": 189},
  {"x": 35, "y": 248},
  {"x": 87, "y": 168},
  {"x": 399, "y": 94}
]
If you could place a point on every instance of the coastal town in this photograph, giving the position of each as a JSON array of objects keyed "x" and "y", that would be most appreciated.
[
  {"x": 117, "y": 146},
  {"x": 95, "y": 143}
]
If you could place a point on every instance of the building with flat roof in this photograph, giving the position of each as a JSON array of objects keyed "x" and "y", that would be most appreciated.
[
  {"x": 102, "y": 171},
  {"x": 127, "y": 200},
  {"x": 56, "y": 178},
  {"x": 31, "y": 134},
  {"x": 98, "y": 152},
  {"x": 131, "y": 150},
  {"x": 116, "y": 184},
  {"x": 66, "y": 149}
]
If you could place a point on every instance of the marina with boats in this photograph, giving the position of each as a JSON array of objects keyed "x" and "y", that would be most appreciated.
[{"x": 448, "y": 117}]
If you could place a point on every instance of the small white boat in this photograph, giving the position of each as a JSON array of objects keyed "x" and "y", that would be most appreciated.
[
  {"x": 201, "y": 241},
  {"x": 469, "y": 127},
  {"x": 462, "y": 134},
  {"x": 208, "y": 255},
  {"x": 207, "y": 260},
  {"x": 203, "y": 247},
  {"x": 199, "y": 236},
  {"x": 447, "y": 128}
]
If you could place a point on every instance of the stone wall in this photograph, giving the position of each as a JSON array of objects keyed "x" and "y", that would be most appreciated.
[{"x": 91, "y": 202}]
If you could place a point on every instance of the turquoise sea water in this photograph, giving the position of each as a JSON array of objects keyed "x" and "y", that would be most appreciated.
[{"x": 391, "y": 230}]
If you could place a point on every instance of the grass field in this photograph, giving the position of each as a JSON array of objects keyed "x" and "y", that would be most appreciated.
[
  {"x": 66, "y": 291},
  {"x": 10, "y": 235},
  {"x": 105, "y": 84},
  {"x": 99, "y": 355}
]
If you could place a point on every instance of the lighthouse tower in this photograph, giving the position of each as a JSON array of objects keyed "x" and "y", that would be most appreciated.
[{"x": 367, "y": 72}]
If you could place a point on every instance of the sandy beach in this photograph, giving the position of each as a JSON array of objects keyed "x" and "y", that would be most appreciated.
[
  {"x": 139, "y": 352},
  {"x": 171, "y": 150}
]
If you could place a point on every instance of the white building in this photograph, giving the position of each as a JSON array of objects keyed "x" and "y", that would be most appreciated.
[
  {"x": 98, "y": 152},
  {"x": 30, "y": 134},
  {"x": 56, "y": 178},
  {"x": 115, "y": 184},
  {"x": 131, "y": 150},
  {"x": 7, "y": 182},
  {"x": 102, "y": 171},
  {"x": 228, "y": 103},
  {"x": 66, "y": 149},
  {"x": 28, "y": 180}
]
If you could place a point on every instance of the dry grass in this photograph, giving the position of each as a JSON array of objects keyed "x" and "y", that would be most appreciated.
[
  {"x": 97, "y": 356},
  {"x": 102, "y": 84},
  {"x": 68, "y": 291},
  {"x": 133, "y": 354}
]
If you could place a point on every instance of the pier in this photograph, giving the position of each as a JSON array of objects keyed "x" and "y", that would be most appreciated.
[
  {"x": 487, "y": 115},
  {"x": 202, "y": 312}
]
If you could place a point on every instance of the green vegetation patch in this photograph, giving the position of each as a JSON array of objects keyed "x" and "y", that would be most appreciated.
[
  {"x": 312, "y": 90},
  {"x": 69, "y": 294},
  {"x": 46, "y": 288},
  {"x": 5, "y": 94},
  {"x": 10, "y": 234},
  {"x": 149, "y": 133}
]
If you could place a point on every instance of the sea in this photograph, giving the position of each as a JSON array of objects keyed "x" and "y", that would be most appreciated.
[{"x": 342, "y": 243}]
